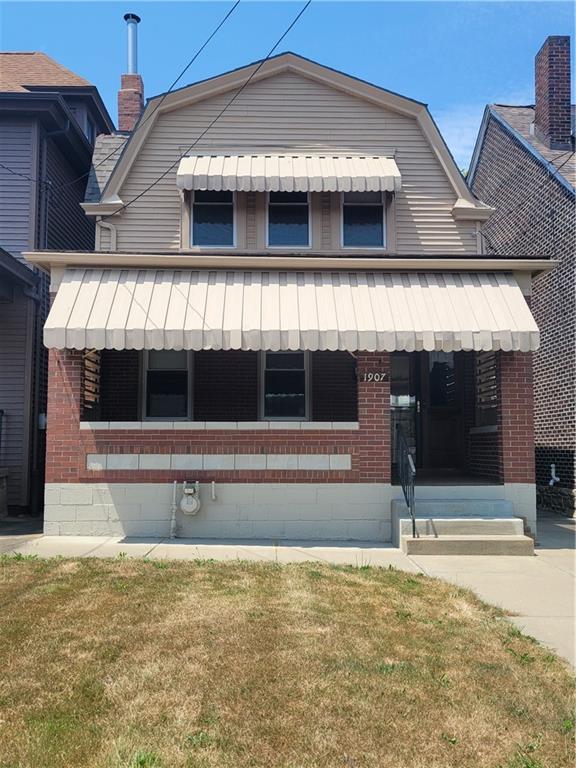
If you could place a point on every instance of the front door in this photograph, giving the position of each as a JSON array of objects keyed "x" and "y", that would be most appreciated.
[{"x": 440, "y": 411}]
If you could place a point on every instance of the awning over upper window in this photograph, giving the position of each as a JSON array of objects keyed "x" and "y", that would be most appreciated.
[
  {"x": 289, "y": 173},
  {"x": 373, "y": 311}
]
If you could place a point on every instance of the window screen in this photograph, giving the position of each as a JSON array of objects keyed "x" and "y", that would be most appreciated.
[
  {"x": 167, "y": 384},
  {"x": 288, "y": 219},
  {"x": 284, "y": 385},
  {"x": 213, "y": 219},
  {"x": 363, "y": 220}
]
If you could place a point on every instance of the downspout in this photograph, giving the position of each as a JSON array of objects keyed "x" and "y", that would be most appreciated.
[
  {"x": 111, "y": 228},
  {"x": 553, "y": 477}
]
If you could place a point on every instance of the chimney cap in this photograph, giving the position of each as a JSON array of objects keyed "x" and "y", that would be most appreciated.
[{"x": 132, "y": 17}]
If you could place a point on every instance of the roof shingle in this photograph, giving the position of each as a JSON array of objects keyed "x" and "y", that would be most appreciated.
[
  {"x": 103, "y": 164},
  {"x": 21, "y": 69},
  {"x": 521, "y": 120}
]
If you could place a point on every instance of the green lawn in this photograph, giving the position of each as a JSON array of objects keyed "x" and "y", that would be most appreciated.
[{"x": 135, "y": 663}]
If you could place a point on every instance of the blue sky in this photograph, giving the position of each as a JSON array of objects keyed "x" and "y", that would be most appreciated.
[{"x": 455, "y": 56}]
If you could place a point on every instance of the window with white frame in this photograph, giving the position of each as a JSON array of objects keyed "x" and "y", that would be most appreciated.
[
  {"x": 212, "y": 220},
  {"x": 167, "y": 384},
  {"x": 284, "y": 385},
  {"x": 363, "y": 220},
  {"x": 288, "y": 219}
]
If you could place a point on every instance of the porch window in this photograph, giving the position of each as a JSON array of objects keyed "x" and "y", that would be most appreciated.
[
  {"x": 167, "y": 384},
  {"x": 363, "y": 220},
  {"x": 213, "y": 219},
  {"x": 486, "y": 381},
  {"x": 288, "y": 219},
  {"x": 285, "y": 385}
]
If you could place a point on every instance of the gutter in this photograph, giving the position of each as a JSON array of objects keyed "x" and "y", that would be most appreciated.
[{"x": 264, "y": 261}]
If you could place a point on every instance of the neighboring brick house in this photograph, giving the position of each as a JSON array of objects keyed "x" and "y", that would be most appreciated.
[
  {"x": 524, "y": 166},
  {"x": 267, "y": 312},
  {"x": 49, "y": 120}
]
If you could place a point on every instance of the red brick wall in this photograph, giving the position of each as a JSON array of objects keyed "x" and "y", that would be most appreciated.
[
  {"x": 68, "y": 446},
  {"x": 516, "y": 418}
]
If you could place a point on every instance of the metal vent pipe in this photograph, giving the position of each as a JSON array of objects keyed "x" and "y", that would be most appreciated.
[{"x": 132, "y": 21}]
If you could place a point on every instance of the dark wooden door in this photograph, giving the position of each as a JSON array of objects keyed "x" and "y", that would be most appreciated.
[{"x": 440, "y": 406}]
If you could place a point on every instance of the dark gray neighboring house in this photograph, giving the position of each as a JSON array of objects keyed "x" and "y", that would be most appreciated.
[
  {"x": 49, "y": 121},
  {"x": 525, "y": 167}
]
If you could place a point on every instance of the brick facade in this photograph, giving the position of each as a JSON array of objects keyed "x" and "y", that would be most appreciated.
[
  {"x": 535, "y": 217},
  {"x": 68, "y": 445}
]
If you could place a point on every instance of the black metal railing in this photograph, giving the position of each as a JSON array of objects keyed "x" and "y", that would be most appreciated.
[{"x": 406, "y": 472}]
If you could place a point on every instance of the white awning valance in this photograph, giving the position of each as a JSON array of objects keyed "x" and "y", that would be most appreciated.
[
  {"x": 289, "y": 173},
  {"x": 256, "y": 310}
]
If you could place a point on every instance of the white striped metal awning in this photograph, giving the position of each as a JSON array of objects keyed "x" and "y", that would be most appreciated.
[
  {"x": 289, "y": 173},
  {"x": 373, "y": 311}
]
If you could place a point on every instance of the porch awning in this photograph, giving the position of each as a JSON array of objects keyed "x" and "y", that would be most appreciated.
[
  {"x": 289, "y": 173},
  {"x": 373, "y": 311}
]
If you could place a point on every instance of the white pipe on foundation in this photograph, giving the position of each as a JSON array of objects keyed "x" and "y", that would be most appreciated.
[{"x": 173, "y": 512}]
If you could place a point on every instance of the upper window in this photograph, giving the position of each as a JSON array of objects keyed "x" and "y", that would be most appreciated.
[
  {"x": 284, "y": 385},
  {"x": 166, "y": 384},
  {"x": 213, "y": 219},
  {"x": 363, "y": 220},
  {"x": 288, "y": 219}
]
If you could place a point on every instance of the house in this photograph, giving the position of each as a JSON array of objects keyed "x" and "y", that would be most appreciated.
[
  {"x": 287, "y": 305},
  {"x": 524, "y": 166},
  {"x": 49, "y": 119}
]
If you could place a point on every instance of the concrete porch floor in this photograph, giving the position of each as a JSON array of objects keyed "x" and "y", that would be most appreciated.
[{"x": 538, "y": 591}]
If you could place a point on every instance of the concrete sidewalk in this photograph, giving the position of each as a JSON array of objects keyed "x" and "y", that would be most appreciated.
[{"x": 539, "y": 591}]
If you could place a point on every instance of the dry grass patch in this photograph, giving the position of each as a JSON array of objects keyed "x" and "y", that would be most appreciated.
[{"x": 147, "y": 664}]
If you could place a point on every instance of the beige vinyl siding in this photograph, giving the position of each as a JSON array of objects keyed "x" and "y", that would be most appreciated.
[
  {"x": 15, "y": 381},
  {"x": 16, "y": 191},
  {"x": 289, "y": 111}
]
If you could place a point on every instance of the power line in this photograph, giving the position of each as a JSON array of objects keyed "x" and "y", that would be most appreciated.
[
  {"x": 218, "y": 116},
  {"x": 141, "y": 124}
]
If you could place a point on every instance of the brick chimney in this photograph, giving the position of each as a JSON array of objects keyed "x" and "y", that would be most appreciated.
[
  {"x": 131, "y": 93},
  {"x": 552, "y": 123}
]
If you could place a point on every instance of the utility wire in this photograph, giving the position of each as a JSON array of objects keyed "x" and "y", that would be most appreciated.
[
  {"x": 214, "y": 121},
  {"x": 140, "y": 124},
  {"x": 164, "y": 96}
]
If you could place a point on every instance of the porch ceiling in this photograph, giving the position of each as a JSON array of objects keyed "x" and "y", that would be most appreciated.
[{"x": 254, "y": 310}]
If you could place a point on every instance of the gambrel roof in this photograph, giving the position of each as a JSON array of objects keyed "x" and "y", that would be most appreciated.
[{"x": 466, "y": 207}]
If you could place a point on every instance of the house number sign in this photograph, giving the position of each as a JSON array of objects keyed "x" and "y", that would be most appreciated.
[{"x": 375, "y": 376}]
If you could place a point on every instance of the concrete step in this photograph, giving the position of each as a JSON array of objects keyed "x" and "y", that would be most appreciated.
[
  {"x": 463, "y": 526},
  {"x": 467, "y": 545}
]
